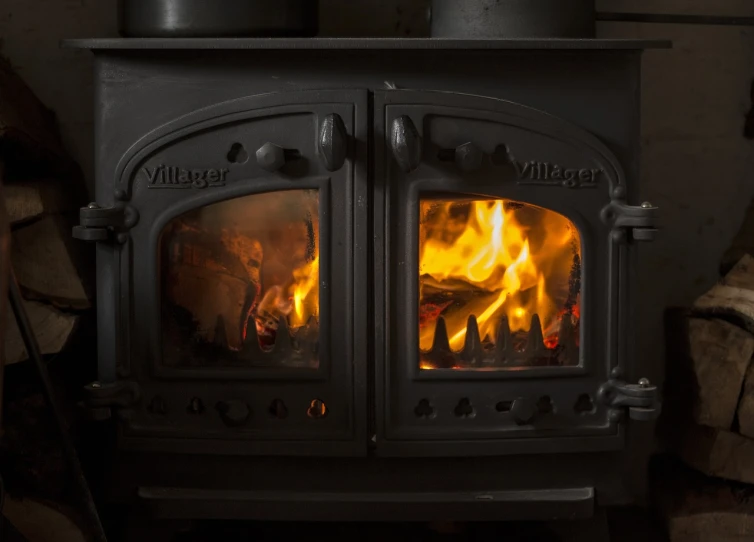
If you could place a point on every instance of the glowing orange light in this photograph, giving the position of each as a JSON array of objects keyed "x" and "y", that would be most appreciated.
[
  {"x": 305, "y": 293},
  {"x": 492, "y": 260}
]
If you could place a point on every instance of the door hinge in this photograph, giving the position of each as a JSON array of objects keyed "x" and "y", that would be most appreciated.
[
  {"x": 641, "y": 400},
  {"x": 631, "y": 222},
  {"x": 105, "y": 223},
  {"x": 101, "y": 399}
]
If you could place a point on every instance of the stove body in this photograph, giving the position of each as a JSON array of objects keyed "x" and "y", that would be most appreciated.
[{"x": 360, "y": 385}]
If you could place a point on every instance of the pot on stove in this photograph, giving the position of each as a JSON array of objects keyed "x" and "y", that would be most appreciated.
[
  {"x": 217, "y": 18},
  {"x": 513, "y": 18}
]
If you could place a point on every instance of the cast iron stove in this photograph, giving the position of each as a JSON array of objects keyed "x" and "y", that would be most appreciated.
[{"x": 368, "y": 278}]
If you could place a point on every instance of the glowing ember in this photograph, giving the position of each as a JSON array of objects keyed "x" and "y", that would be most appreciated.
[{"x": 492, "y": 259}]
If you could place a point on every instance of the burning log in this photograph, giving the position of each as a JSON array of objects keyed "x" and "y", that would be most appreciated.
[
  {"x": 216, "y": 278},
  {"x": 210, "y": 298},
  {"x": 486, "y": 261}
]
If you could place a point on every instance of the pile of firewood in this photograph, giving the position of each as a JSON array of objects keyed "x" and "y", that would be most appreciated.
[
  {"x": 43, "y": 191},
  {"x": 708, "y": 425}
]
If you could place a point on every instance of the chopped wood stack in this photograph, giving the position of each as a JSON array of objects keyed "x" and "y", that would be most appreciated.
[
  {"x": 697, "y": 508},
  {"x": 39, "y": 521},
  {"x": 43, "y": 190},
  {"x": 710, "y": 398}
]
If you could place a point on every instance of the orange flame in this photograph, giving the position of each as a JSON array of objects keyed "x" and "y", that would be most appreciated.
[
  {"x": 492, "y": 259},
  {"x": 299, "y": 301},
  {"x": 305, "y": 292}
]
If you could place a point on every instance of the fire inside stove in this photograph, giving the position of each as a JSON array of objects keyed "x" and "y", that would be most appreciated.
[
  {"x": 241, "y": 282},
  {"x": 500, "y": 286}
]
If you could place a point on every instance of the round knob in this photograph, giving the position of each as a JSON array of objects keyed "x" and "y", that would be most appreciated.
[
  {"x": 523, "y": 410},
  {"x": 469, "y": 157},
  {"x": 233, "y": 413},
  {"x": 271, "y": 157}
]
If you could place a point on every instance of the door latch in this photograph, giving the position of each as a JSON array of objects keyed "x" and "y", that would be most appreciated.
[
  {"x": 105, "y": 223},
  {"x": 641, "y": 400},
  {"x": 101, "y": 399},
  {"x": 638, "y": 221}
]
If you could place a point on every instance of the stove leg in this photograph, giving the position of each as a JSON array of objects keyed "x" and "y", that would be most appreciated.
[{"x": 595, "y": 529}]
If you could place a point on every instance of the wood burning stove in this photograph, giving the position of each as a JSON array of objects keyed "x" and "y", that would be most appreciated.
[{"x": 368, "y": 278}]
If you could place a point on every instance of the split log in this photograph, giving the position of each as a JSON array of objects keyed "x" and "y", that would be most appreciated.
[
  {"x": 42, "y": 522},
  {"x": 31, "y": 143},
  {"x": 215, "y": 276},
  {"x": 44, "y": 266},
  {"x": 695, "y": 508},
  {"x": 207, "y": 295},
  {"x": 52, "y": 327},
  {"x": 733, "y": 296},
  {"x": 743, "y": 243},
  {"x": 28, "y": 200},
  {"x": 746, "y": 406},
  {"x": 720, "y": 354},
  {"x": 718, "y": 453}
]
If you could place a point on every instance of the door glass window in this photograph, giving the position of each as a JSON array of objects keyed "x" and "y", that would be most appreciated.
[
  {"x": 240, "y": 283},
  {"x": 499, "y": 286}
]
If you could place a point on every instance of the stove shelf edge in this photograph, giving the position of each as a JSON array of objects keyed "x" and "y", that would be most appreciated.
[{"x": 543, "y": 44}]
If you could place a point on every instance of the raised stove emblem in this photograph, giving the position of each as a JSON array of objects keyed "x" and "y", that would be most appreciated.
[
  {"x": 178, "y": 177},
  {"x": 547, "y": 173}
]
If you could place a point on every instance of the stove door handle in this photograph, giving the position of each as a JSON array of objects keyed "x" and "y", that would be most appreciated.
[
  {"x": 333, "y": 142},
  {"x": 406, "y": 144}
]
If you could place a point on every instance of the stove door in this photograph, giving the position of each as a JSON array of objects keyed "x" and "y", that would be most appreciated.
[
  {"x": 239, "y": 277},
  {"x": 498, "y": 285}
]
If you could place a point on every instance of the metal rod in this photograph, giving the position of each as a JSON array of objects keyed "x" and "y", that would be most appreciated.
[
  {"x": 669, "y": 18},
  {"x": 69, "y": 450},
  {"x": 2, "y": 507}
]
